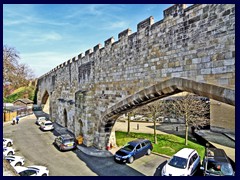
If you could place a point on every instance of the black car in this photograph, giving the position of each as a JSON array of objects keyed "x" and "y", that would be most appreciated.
[
  {"x": 216, "y": 163},
  {"x": 133, "y": 150},
  {"x": 65, "y": 142}
]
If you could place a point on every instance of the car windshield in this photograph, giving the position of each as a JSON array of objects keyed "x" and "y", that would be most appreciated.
[
  {"x": 222, "y": 169},
  {"x": 68, "y": 141},
  {"x": 178, "y": 162},
  {"x": 48, "y": 124},
  {"x": 128, "y": 147}
]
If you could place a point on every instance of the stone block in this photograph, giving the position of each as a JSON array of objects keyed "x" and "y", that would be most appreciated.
[
  {"x": 124, "y": 33},
  {"x": 145, "y": 23},
  {"x": 109, "y": 41}
]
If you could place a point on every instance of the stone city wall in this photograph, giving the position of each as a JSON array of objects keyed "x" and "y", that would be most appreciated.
[{"x": 195, "y": 43}]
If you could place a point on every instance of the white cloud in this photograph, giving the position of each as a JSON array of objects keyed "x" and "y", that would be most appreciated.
[
  {"x": 49, "y": 36},
  {"x": 116, "y": 25},
  {"x": 43, "y": 62}
]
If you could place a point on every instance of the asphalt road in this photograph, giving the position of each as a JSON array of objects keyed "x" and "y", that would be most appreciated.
[{"x": 37, "y": 149}]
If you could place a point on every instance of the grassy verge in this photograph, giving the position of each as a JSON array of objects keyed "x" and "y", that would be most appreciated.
[{"x": 167, "y": 144}]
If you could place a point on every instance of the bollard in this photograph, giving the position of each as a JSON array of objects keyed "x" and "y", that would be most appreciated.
[{"x": 137, "y": 126}]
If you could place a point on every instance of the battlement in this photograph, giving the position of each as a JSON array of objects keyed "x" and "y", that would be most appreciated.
[{"x": 175, "y": 11}]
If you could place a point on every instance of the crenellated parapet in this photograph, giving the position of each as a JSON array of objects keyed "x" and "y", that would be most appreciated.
[{"x": 173, "y": 11}]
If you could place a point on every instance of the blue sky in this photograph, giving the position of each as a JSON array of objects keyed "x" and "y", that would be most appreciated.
[{"x": 46, "y": 35}]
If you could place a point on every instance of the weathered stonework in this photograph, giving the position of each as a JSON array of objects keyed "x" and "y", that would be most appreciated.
[{"x": 191, "y": 49}]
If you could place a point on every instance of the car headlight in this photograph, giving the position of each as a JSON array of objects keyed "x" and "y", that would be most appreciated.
[{"x": 125, "y": 157}]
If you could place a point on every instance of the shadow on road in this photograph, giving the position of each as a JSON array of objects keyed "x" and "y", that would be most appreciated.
[
  {"x": 158, "y": 171},
  {"x": 106, "y": 166}
]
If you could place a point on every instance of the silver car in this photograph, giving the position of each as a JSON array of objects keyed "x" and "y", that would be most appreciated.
[{"x": 65, "y": 142}]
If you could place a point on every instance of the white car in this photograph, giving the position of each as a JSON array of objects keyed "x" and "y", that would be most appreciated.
[
  {"x": 8, "y": 151},
  {"x": 32, "y": 170},
  {"x": 40, "y": 119},
  {"x": 46, "y": 125},
  {"x": 184, "y": 163},
  {"x": 7, "y": 142},
  {"x": 15, "y": 160}
]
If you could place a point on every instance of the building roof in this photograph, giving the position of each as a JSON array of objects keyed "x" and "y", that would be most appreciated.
[{"x": 25, "y": 101}]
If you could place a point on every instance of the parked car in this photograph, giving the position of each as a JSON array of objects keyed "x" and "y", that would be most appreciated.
[
  {"x": 184, "y": 163},
  {"x": 40, "y": 119},
  {"x": 7, "y": 142},
  {"x": 32, "y": 171},
  {"x": 46, "y": 125},
  {"x": 216, "y": 163},
  {"x": 133, "y": 150},
  {"x": 36, "y": 107},
  {"x": 65, "y": 142},
  {"x": 15, "y": 160},
  {"x": 8, "y": 151}
]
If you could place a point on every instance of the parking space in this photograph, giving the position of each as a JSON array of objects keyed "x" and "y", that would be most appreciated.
[{"x": 37, "y": 148}]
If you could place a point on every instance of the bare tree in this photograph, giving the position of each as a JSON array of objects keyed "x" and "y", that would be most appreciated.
[
  {"x": 194, "y": 109},
  {"x": 14, "y": 73},
  {"x": 156, "y": 109},
  {"x": 129, "y": 115}
]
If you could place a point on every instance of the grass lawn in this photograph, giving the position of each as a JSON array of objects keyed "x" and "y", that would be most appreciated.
[{"x": 168, "y": 144}]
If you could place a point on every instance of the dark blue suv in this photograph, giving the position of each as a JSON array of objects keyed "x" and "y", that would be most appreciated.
[{"x": 133, "y": 150}]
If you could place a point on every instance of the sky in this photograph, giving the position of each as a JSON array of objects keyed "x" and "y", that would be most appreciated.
[{"x": 46, "y": 35}]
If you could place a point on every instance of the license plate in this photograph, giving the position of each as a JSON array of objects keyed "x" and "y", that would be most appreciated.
[{"x": 70, "y": 144}]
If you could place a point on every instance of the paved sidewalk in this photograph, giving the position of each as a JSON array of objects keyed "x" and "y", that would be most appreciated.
[{"x": 219, "y": 140}]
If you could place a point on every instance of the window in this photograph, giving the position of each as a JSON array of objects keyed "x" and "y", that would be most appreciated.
[
  {"x": 195, "y": 156},
  {"x": 191, "y": 161},
  {"x": 27, "y": 173},
  {"x": 143, "y": 144},
  {"x": 138, "y": 147}
]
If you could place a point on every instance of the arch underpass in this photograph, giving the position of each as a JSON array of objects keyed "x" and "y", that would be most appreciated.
[
  {"x": 46, "y": 102},
  {"x": 161, "y": 90}
]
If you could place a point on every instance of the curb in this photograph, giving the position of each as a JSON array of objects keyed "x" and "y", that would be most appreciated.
[
  {"x": 95, "y": 152},
  {"x": 163, "y": 155}
]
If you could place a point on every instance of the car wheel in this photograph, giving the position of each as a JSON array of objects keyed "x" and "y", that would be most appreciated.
[
  {"x": 44, "y": 174},
  {"x": 18, "y": 164},
  {"x": 130, "y": 160},
  {"x": 10, "y": 153},
  {"x": 9, "y": 144},
  {"x": 148, "y": 151}
]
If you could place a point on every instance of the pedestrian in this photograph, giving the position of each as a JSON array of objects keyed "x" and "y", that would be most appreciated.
[
  {"x": 13, "y": 121},
  {"x": 17, "y": 119}
]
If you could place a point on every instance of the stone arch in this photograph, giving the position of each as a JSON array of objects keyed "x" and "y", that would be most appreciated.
[
  {"x": 65, "y": 119},
  {"x": 45, "y": 102},
  {"x": 45, "y": 97},
  {"x": 161, "y": 90}
]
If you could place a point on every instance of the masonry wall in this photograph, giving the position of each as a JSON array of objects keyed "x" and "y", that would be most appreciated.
[
  {"x": 222, "y": 117},
  {"x": 196, "y": 43}
]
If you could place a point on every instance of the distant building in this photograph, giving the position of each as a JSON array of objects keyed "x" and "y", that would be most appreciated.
[{"x": 23, "y": 102}]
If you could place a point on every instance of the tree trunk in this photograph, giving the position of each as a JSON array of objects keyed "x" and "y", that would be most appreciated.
[
  {"x": 186, "y": 130},
  {"x": 186, "y": 135},
  {"x": 128, "y": 130},
  {"x": 155, "y": 132}
]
